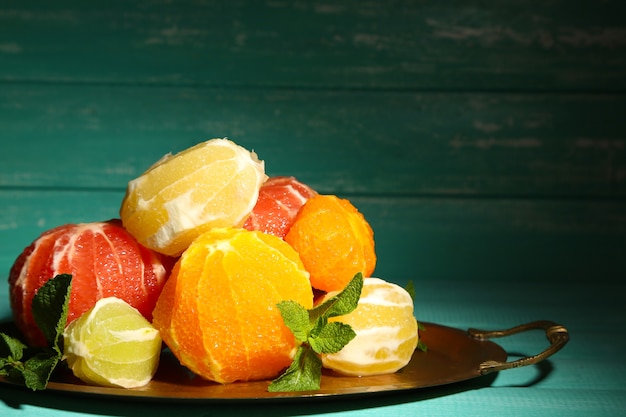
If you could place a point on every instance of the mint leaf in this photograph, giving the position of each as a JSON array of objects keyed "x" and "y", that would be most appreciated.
[
  {"x": 50, "y": 306},
  {"x": 296, "y": 318},
  {"x": 340, "y": 304},
  {"x": 11, "y": 347},
  {"x": 332, "y": 337},
  {"x": 316, "y": 335},
  {"x": 304, "y": 373},
  {"x": 34, "y": 367},
  {"x": 422, "y": 346},
  {"x": 38, "y": 369}
]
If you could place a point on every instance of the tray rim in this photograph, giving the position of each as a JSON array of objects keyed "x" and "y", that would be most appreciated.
[{"x": 209, "y": 392}]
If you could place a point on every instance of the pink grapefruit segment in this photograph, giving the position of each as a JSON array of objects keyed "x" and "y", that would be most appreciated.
[{"x": 280, "y": 199}]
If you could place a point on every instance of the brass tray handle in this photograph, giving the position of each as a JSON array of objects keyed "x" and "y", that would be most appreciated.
[{"x": 557, "y": 335}]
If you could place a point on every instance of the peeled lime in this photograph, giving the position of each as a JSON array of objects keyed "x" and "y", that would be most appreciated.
[{"x": 112, "y": 344}]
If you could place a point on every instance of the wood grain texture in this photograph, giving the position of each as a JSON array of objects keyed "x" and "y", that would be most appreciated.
[
  {"x": 485, "y": 142},
  {"x": 498, "y": 243},
  {"x": 449, "y": 45},
  {"x": 366, "y": 143}
]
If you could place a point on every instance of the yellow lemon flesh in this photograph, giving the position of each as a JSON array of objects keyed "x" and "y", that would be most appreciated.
[
  {"x": 386, "y": 332},
  {"x": 212, "y": 184}
]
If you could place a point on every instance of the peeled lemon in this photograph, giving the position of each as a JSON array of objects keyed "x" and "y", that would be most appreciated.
[
  {"x": 215, "y": 183},
  {"x": 386, "y": 332},
  {"x": 112, "y": 344}
]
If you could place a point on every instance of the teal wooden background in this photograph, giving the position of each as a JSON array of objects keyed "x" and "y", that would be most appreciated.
[{"x": 484, "y": 141}]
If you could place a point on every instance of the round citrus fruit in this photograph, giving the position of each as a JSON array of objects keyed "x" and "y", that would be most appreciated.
[
  {"x": 212, "y": 184},
  {"x": 112, "y": 344},
  {"x": 280, "y": 199},
  {"x": 217, "y": 312},
  {"x": 103, "y": 259},
  {"x": 386, "y": 332},
  {"x": 333, "y": 240}
]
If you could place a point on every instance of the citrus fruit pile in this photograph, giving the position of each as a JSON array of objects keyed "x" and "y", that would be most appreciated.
[{"x": 206, "y": 247}]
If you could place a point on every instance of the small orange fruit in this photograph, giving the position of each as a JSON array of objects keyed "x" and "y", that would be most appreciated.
[
  {"x": 386, "y": 332},
  {"x": 217, "y": 311},
  {"x": 212, "y": 184},
  {"x": 333, "y": 240}
]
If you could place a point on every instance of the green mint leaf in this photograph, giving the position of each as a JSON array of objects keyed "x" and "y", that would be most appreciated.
[
  {"x": 318, "y": 326},
  {"x": 38, "y": 369},
  {"x": 421, "y": 345},
  {"x": 304, "y": 373},
  {"x": 11, "y": 348},
  {"x": 316, "y": 335},
  {"x": 340, "y": 304},
  {"x": 50, "y": 306},
  {"x": 296, "y": 318},
  {"x": 332, "y": 337}
]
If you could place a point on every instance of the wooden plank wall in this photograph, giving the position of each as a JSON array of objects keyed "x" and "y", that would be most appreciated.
[{"x": 484, "y": 141}]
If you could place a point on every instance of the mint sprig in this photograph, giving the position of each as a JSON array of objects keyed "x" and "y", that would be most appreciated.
[
  {"x": 316, "y": 336},
  {"x": 34, "y": 366}
]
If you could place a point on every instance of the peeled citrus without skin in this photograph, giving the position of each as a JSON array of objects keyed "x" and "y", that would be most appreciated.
[
  {"x": 386, "y": 332},
  {"x": 280, "y": 199},
  {"x": 103, "y": 259},
  {"x": 333, "y": 240},
  {"x": 112, "y": 344},
  {"x": 212, "y": 184},
  {"x": 217, "y": 312}
]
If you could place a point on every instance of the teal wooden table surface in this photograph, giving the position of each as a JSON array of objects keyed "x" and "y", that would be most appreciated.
[{"x": 484, "y": 143}]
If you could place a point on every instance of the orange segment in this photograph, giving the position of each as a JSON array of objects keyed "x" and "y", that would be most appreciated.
[
  {"x": 213, "y": 184},
  {"x": 333, "y": 240},
  {"x": 217, "y": 312}
]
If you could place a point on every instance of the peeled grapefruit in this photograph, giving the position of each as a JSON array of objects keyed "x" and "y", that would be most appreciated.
[
  {"x": 280, "y": 199},
  {"x": 103, "y": 259}
]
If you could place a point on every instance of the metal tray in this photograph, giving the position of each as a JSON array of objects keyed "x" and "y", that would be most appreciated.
[{"x": 453, "y": 355}]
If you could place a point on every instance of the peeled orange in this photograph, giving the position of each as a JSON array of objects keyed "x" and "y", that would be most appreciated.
[
  {"x": 386, "y": 332},
  {"x": 217, "y": 312},
  {"x": 334, "y": 241},
  {"x": 103, "y": 259},
  {"x": 212, "y": 184}
]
